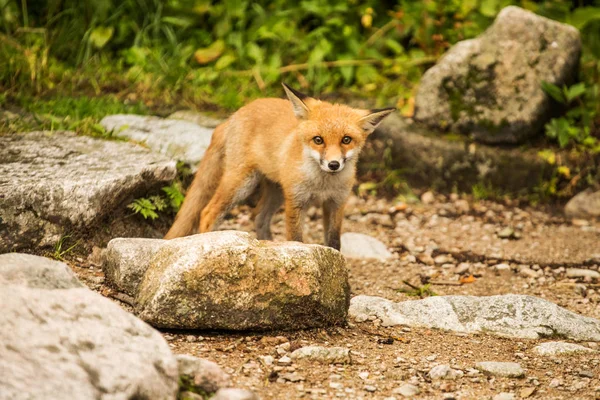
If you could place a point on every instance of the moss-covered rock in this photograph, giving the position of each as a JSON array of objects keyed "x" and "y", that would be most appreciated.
[
  {"x": 489, "y": 87},
  {"x": 227, "y": 280}
]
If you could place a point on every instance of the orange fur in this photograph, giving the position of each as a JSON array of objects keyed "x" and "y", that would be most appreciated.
[{"x": 271, "y": 143}]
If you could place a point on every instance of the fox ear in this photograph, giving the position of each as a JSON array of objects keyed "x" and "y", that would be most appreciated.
[
  {"x": 370, "y": 121},
  {"x": 297, "y": 100}
]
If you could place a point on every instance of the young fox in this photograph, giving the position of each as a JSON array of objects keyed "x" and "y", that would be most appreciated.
[{"x": 297, "y": 153}]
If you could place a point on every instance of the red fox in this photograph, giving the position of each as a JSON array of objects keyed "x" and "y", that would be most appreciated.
[{"x": 298, "y": 152}]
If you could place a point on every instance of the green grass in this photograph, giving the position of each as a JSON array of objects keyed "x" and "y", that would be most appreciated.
[{"x": 81, "y": 114}]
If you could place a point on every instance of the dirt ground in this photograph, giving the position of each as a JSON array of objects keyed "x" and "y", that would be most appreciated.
[{"x": 446, "y": 245}]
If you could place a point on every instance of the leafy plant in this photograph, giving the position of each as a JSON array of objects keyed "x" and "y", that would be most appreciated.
[
  {"x": 578, "y": 123},
  {"x": 147, "y": 207},
  {"x": 58, "y": 252}
]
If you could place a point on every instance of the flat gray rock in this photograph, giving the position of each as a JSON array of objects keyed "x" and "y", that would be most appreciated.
[
  {"x": 67, "y": 342},
  {"x": 177, "y": 139},
  {"x": 560, "y": 348},
  {"x": 489, "y": 86},
  {"x": 227, "y": 280},
  {"x": 503, "y": 369},
  {"x": 36, "y": 272},
  {"x": 505, "y": 315},
  {"x": 325, "y": 355},
  {"x": 358, "y": 245},
  {"x": 585, "y": 205},
  {"x": 52, "y": 183},
  {"x": 197, "y": 118}
]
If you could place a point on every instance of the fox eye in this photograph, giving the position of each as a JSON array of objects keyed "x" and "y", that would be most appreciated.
[
  {"x": 318, "y": 140},
  {"x": 346, "y": 140}
]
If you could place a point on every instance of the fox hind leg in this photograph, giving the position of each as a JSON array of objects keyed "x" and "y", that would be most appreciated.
[
  {"x": 233, "y": 188},
  {"x": 270, "y": 201}
]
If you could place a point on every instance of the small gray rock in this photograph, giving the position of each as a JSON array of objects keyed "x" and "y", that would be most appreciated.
[
  {"x": 560, "y": 348},
  {"x": 585, "y": 205},
  {"x": 370, "y": 388},
  {"x": 503, "y": 369},
  {"x": 582, "y": 273},
  {"x": 357, "y": 245},
  {"x": 504, "y": 396},
  {"x": 325, "y": 355},
  {"x": 407, "y": 390},
  {"x": 234, "y": 394},
  {"x": 201, "y": 374},
  {"x": 444, "y": 372},
  {"x": 176, "y": 139}
]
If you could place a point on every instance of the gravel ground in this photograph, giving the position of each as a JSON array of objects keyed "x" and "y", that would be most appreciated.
[{"x": 444, "y": 245}]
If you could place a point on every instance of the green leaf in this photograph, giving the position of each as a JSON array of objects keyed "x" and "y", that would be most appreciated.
[
  {"x": 575, "y": 91},
  {"x": 467, "y": 6},
  {"x": 210, "y": 53},
  {"x": 101, "y": 35},
  {"x": 583, "y": 15},
  {"x": 553, "y": 91},
  {"x": 489, "y": 8}
]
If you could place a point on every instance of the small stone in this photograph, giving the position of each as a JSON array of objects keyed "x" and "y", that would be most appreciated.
[
  {"x": 324, "y": 355},
  {"x": 336, "y": 385},
  {"x": 190, "y": 338},
  {"x": 502, "y": 267},
  {"x": 407, "y": 390},
  {"x": 268, "y": 360},
  {"x": 360, "y": 246},
  {"x": 560, "y": 348},
  {"x": 442, "y": 259},
  {"x": 285, "y": 361},
  {"x": 444, "y": 372},
  {"x": 527, "y": 392},
  {"x": 554, "y": 383},
  {"x": 506, "y": 233},
  {"x": 364, "y": 375},
  {"x": 504, "y": 369},
  {"x": 234, "y": 394},
  {"x": 293, "y": 377},
  {"x": 203, "y": 374},
  {"x": 527, "y": 272},
  {"x": 427, "y": 198},
  {"x": 586, "y": 374},
  {"x": 582, "y": 273},
  {"x": 504, "y": 396},
  {"x": 370, "y": 388}
]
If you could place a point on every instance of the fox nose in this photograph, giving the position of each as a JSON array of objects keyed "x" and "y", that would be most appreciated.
[{"x": 333, "y": 165}]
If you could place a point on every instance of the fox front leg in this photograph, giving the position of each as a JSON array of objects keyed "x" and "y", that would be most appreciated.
[
  {"x": 293, "y": 220},
  {"x": 333, "y": 216}
]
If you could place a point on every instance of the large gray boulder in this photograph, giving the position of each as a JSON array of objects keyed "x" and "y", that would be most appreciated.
[
  {"x": 489, "y": 86},
  {"x": 60, "y": 340},
  {"x": 227, "y": 280},
  {"x": 585, "y": 205},
  {"x": 506, "y": 315},
  {"x": 55, "y": 182},
  {"x": 177, "y": 139}
]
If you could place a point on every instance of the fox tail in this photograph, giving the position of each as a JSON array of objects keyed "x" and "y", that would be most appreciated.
[{"x": 204, "y": 185}]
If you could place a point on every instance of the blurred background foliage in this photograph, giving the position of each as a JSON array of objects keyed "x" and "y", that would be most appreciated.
[{"x": 158, "y": 56}]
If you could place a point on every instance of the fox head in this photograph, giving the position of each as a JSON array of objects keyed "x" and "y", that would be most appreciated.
[{"x": 332, "y": 134}]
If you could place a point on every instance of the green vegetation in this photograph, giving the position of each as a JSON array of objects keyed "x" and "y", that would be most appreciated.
[
  {"x": 170, "y": 53},
  {"x": 59, "y": 252}
]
